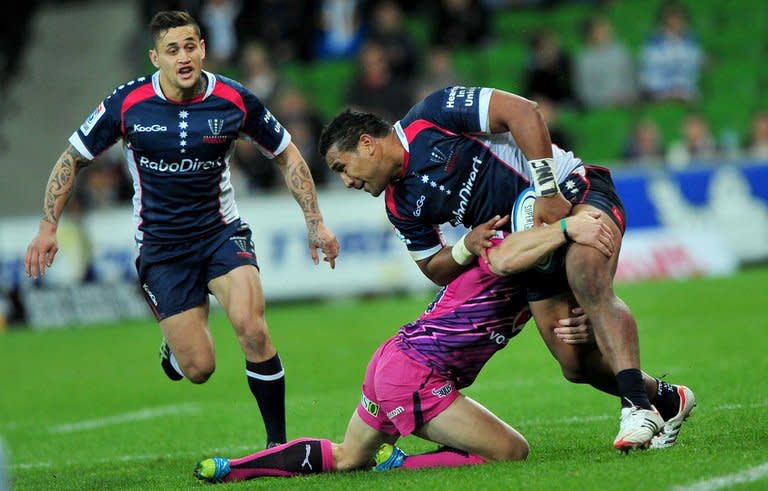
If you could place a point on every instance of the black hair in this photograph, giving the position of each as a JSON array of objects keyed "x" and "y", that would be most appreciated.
[
  {"x": 168, "y": 19},
  {"x": 347, "y": 127}
]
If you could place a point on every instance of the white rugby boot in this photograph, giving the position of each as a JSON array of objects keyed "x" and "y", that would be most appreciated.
[
  {"x": 637, "y": 427},
  {"x": 668, "y": 435}
]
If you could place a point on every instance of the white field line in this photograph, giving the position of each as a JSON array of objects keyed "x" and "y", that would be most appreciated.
[
  {"x": 150, "y": 413},
  {"x": 143, "y": 414},
  {"x": 744, "y": 476},
  {"x": 135, "y": 458}
]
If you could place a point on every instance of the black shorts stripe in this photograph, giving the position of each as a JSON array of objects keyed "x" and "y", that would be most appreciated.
[{"x": 418, "y": 416}]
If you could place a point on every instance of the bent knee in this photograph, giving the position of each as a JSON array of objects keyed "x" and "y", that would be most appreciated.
[
  {"x": 199, "y": 372},
  {"x": 514, "y": 448},
  {"x": 574, "y": 375},
  {"x": 586, "y": 268}
]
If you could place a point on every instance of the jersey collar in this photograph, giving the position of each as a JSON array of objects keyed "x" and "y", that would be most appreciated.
[{"x": 211, "y": 78}]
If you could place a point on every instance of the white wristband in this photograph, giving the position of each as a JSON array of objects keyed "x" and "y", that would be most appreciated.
[
  {"x": 460, "y": 253},
  {"x": 543, "y": 176}
]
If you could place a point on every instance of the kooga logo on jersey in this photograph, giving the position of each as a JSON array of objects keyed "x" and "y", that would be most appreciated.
[
  {"x": 465, "y": 193},
  {"x": 149, "y": 129},
  {"x": 186, "y": 165}
]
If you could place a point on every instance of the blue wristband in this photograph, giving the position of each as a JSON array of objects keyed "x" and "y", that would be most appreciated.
[{"x": 564, "y": 228}]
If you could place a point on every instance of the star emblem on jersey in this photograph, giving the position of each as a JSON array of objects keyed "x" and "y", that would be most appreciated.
[
  {"x": 183, "y": 114},
  {"x": 571, "y": 186},
  {"x": 183, "y": 125},
  {"x": 425, "y": 179}
]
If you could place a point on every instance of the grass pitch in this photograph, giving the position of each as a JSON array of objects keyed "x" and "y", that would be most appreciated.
[{"x": 89, "y": 408}]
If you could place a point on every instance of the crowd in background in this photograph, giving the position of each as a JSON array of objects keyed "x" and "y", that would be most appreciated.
[{"x": 251, "y": 41}]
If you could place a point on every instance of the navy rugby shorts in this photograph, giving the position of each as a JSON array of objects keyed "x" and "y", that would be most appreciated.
[
  {"x": 174, "y": 277},
  {"x": 591, "y": 185}
]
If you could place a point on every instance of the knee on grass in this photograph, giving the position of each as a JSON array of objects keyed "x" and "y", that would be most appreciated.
[{"x": 512, "y": 448}]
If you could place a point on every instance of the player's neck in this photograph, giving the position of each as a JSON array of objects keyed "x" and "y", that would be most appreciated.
[
  {"x": 177, "y": 94},
  {"x": 394, "y": 152}
]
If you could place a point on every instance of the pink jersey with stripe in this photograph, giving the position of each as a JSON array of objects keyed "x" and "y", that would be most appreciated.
[{"x": 470, "y": 319}]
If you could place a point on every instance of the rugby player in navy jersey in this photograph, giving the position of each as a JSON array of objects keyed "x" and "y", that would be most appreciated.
[
  {"x": 178, "y": 129},
  {"x": 462, "y": 156}
]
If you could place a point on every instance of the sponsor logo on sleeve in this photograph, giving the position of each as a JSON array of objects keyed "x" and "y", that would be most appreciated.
[
  {"x": 369, "y": 405},
  {"x": 460, "y": 97},
  {"x": 93, "y": 119}
]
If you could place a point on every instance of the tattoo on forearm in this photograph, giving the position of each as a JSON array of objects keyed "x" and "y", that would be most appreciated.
[
  {"x": 60, "y": 183},
  {"x": 302, "y": 187}
]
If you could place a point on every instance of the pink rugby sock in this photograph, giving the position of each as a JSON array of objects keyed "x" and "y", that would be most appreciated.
[
  {"x": 442, "y": 457},
  {"x": 297, "y": 457}
]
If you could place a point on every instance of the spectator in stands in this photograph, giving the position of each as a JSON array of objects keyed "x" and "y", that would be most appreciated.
[
  {"x": 218, "y": 18},
  {"x": 604, "y": 73},
  {"x": 671, "y": 59},
  {"x": 304, "y": 124},
  {"x": 375, "y": 88},
  {"x": 339, "y": 29},
  {"x": 549, "y": 112},
  {"x": 548, "y": 69},
  {"x": 644, "y": 145},
  {"x": 460, "y": 23},
  {"x": 697, "y": 143},
  {"x": 14, "y": 38},
  {"x": 280, "y": 25},
  {"x": 388, "y": 30},
  {"x": 258, "y": 73},
  {"x": 105, "y": 184},
  {"x": 757, "y": 145},
  {"x": 439, "y": 73}
]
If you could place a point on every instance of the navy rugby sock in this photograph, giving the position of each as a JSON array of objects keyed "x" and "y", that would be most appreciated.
[
  {"x": 266, "y": 380},
  {"x": 632, "y": 388},
  {"x": 667, "y": 400}
]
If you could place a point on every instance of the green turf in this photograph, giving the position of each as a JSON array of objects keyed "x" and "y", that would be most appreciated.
[{"x": 708, "y": 333}]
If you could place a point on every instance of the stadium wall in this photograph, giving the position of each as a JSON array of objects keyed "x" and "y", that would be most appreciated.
[{"x": 699, "y": 221}]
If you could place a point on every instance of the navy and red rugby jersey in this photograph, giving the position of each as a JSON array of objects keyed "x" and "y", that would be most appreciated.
[
  {"x": 455, "y": 170},
  {"x": 178, "y": 153}
]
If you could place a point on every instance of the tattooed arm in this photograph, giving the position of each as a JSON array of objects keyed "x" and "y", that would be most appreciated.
[
  {"x": 44, "y": 246},
  {"x": 299, "y": 181}
]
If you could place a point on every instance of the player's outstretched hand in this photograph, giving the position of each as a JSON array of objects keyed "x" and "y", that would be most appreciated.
[
  {"x": 320, "y": 236},
  {"x": 479, "y": 238},
  {"x": 576, "y": 329},
  {"x": 551, "y": 209},
  {"x": 588, "y": 229},
  {"x": 41, "y": 251}
]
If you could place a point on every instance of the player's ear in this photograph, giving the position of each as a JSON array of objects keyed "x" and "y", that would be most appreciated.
[
  {"x": 368, "y": 143},
  {"x": 154, "y": 58},
  {"x": 202, "y": 48}
]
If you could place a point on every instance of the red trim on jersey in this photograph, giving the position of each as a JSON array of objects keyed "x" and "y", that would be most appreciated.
[
  {"x": 420, "y": 125},
  {"x": 138, "y": 94},
  {"x": 414, "y": 129},
  {"x": 389, "y": 199},
  {"x": 228, "y": 93},
  {"x": 619, "y": 218}
]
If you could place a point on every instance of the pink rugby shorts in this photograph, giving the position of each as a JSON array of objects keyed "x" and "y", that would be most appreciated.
[{"x": 399, "y": 394}]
